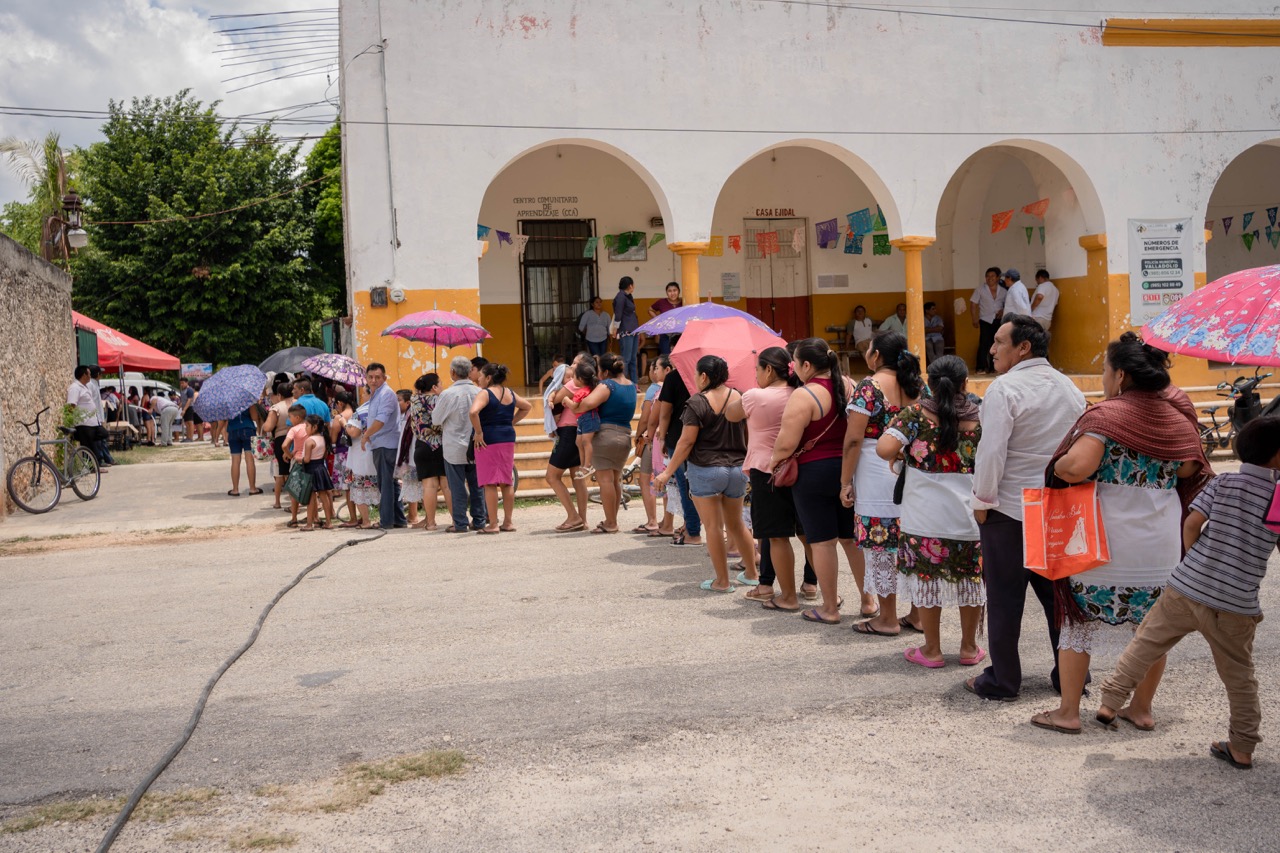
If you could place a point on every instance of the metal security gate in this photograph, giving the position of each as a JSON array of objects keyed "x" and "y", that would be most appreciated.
[
  {"x": 557, "y": 286},
  {"x": 777, "y": 287}
]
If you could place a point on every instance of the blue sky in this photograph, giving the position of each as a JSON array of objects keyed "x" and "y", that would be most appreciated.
[{"x": 79, "y": 56}]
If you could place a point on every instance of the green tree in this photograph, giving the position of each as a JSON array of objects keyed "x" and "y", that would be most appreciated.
[
  {"x": 323, "y": 201},
  {"x": 230, "y": 287},
  {"x": 41, "y": 165}
]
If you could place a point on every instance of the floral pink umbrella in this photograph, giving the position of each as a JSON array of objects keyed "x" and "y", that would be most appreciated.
[
  {"x": 1234, "y": 319},
  {"x": 438, "y": 328}
]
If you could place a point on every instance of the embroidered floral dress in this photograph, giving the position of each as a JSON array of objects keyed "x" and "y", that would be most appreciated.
[
  {"x": 1142, "y": 517},
  {"x": 939, "y": 555},
  {"x": 877, "y": 522}
]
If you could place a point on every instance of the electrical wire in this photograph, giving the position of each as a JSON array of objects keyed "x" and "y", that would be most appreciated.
[
  {"x": 196, "y": 216},
  {"x": 198, "y": 711}
]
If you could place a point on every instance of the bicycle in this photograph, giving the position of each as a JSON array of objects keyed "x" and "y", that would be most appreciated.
[
  {"x": 35, "y": 482},
  {"x": 1246, "y": 404}
]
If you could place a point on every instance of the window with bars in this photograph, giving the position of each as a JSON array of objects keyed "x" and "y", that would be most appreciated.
[{"x": 557, "y": 284}]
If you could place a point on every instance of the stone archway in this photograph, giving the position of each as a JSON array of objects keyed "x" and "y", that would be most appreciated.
[{"x": 1011, "y": 175}]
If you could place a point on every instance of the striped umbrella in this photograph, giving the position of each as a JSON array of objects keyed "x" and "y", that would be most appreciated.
[{"x": 335, "y": 366}]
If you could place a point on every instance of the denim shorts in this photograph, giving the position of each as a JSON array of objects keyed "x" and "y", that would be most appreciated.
[
  {"x": 713, "y": 481},
  {"x": 240, "y": 442}
]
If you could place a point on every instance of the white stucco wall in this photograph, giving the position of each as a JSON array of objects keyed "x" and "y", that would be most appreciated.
[{"x": 690, "y": 91}]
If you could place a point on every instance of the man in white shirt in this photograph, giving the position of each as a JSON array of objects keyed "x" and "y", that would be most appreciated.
[
  {"x": 1044, "y": 300},
  {"x": 1025, "y": 415},
  {"x": 1016, "y": 299},
  {"x": 166, "y": 412},
  {"x": 453, "y": 415},
  {"x": 988, "y": 305},
  {"x": 81, "y": 397},
  {"x": 897, "y": 322},
  {"x": 859, "y": 331}
]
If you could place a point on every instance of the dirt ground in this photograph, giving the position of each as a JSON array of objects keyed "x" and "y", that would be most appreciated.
[{"x": 597, "y": 698}]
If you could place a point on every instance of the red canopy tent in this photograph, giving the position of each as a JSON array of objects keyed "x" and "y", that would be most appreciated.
[{"x": 118, "y": 352}]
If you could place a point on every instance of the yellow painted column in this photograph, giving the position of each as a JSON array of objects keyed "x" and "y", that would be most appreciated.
[
  {"x": 911, "y": 247},
  {"x": 1115, "y": 294},
  {"x": 689, "y": 252}
]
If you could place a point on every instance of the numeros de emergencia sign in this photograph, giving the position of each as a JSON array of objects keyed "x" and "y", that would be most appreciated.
[{"x": 1160, "y": 271}]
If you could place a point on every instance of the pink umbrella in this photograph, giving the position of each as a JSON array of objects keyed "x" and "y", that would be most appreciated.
[
  {"x": 438, "y": 328},
  {"x": 1234, "y": 319},
  {"x": 734, "y": 339}
]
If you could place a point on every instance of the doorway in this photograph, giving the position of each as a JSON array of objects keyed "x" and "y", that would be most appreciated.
[
  {"x": 777, "y": 287},
  {"x": 557, "y": 284}
]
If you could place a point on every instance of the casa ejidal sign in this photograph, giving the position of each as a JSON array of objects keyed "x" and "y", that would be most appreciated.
[{"x": 776, "y": 212}]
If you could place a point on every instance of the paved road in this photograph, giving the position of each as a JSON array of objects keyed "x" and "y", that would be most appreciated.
[{"x": 607, "y": 703}]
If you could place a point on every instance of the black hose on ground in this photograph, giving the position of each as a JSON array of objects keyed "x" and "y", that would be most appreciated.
[{"x": 177, "y": 747}]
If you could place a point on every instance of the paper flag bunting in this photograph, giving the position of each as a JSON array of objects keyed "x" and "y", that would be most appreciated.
[
  {"x": 1226, "y": 224},
  {"x": 1000, "y": 221},
  {"x": 589, "y": 250},
  {"x": 797, "y": 241},
  {"x": 880, "y": 245},
  {"x": 860, "y": 221},
  {"x": 1030, "y": 229},
  {"x": 1249, "y": 237},
  {"x": 482, "y": 231},
  {"x": 1041, "y": 235},
  {"x": 1208, "y": 225},
  {"x": 481, "y": 245},
  {"x": 828, "y": 233},
  {"x": 735, "y": 243},
  {"x": 657, "y": 238},
  {"x": 852, "y": 243},
  {"x": 1248, "y": 217},
  {"x": 517, "y": 248},
  {"x": 609, "y": 241},
  {"x": 878, "y": 224},
  {"x": 503, "y": 237},
  {"x": 1037, "y": 208},
  {"x": 715, "y": 247},
  {"x": 767, "y": 243},
  {"x": 1273, "y": 234},
  {"x": 1271, "y": 215}
]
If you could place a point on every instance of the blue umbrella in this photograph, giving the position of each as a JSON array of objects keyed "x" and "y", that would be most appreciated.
[
  {"x": 673, "y": 322},
  {"x": 229, "y": 392}
]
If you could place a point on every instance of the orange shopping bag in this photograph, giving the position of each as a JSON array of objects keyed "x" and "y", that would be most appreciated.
[{"x": 1062, "y": 531}]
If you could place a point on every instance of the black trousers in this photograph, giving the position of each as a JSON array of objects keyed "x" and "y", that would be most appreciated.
[
  {"x": 986, "y": 337},
  {"x": 1007, "y": 580},
  {"x": 768, "y": 575}
]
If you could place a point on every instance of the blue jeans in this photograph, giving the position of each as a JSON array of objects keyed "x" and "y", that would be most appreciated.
[
  {"x": 390, "y": 511},
  {"x": 664, "y": 344},
  {"x": 692, "y": 522},
  {"x": 466, "y": 491},
  {"x": 598, "y": 347},
  {"x": 630, "y": 350}
]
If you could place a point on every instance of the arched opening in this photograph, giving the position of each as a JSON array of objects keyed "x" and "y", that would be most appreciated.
[
  {"x": 803, "y": 287},
  {"x": 591, "y": 214},
  {"x": 1241, "y": 216},
  {"x": 1023, "y": 205}
]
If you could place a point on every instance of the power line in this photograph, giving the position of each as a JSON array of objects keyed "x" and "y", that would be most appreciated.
[{"x": 244, "y": 206}]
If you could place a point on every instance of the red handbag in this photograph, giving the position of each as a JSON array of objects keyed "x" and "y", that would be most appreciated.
[{"x": 788, "y": 469}]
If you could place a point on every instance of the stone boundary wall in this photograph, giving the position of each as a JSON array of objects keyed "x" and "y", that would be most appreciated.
[{"x": 37, "y": 349}]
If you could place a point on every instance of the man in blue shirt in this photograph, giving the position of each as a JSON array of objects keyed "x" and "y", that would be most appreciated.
[
  {"x": 313, "y": 404},
  {"x": 382, "y": 437},
  {"x": 624, "y": 315}
]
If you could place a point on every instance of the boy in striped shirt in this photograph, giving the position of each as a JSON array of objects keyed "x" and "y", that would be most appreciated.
[{"x": 1214, "y": 591}]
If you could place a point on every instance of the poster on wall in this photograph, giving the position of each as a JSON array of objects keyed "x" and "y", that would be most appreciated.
[
  {"x": 199, "y": 370},
  {"x": 1160, "y": 271},
  {"x": 730, "y": 286}
]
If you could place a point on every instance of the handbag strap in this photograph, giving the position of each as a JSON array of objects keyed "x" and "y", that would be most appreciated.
[{"x": 811, "y": 443}]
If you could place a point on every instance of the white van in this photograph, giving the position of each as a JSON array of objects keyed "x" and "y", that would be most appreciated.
[{"x": 135, "y": 380}]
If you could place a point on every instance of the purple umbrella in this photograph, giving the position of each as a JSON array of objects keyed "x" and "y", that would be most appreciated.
[
  {"x": 335, "y": 366},
  {"x": 673, "y": 322}
]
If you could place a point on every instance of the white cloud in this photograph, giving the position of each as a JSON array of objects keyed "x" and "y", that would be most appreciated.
[{"x": 81, "y": 56}]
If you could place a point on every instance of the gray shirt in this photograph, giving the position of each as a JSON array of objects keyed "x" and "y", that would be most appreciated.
[
  {"x": 595, "y": 327},
  {"x": 384, "y": 407},
  {"x": 1225, "y": 567},
  {"x": 453, "y": 415}
]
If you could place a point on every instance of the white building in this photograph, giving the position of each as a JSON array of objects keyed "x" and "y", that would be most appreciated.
[{"x": 562, "y": 119}]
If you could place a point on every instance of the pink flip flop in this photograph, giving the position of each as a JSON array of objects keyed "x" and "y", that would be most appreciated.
[
  {"x": 976, "y": 659},
  {"x": 914, "y": 656}
]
